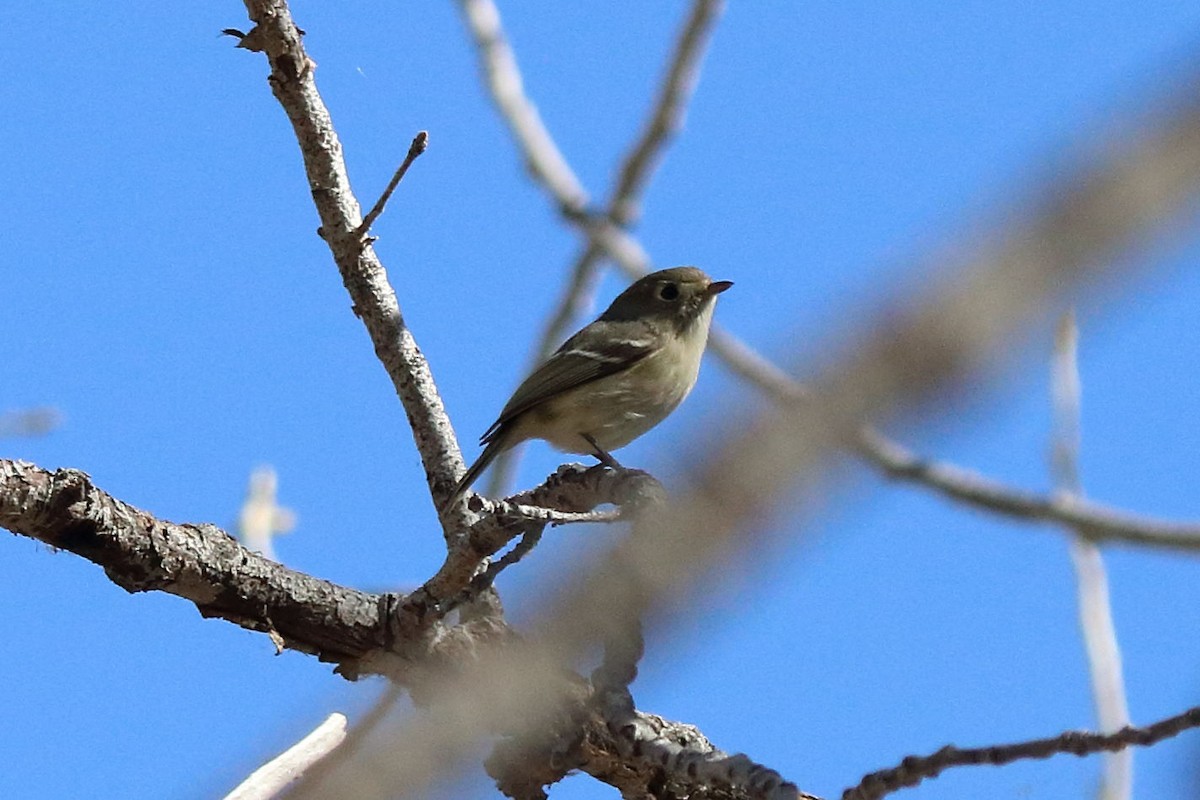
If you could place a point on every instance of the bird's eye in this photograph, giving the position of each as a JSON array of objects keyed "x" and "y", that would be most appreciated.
[{"x": 668, "y": 291}]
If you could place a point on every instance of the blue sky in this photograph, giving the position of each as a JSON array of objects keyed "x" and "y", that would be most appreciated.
[{"x": 164, "y": 288}]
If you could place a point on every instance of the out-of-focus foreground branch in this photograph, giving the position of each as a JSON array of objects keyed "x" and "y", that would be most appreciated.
[{"x": 29, "y": 421}]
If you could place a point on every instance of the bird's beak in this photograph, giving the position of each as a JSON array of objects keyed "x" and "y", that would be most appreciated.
[{"x": 716, "y": 287}]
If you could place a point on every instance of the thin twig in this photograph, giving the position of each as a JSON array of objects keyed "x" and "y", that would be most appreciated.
[
  {"x": 273, "y": 777},
  {"x": 914, "y": 769},
  {"x": 1095, "y": 610},
  {"x": 669, "y": 109},
  {"x": 485, "y": 580},
  {"x": 419, "y": 143},
  {"x": 1097, "y": 522}
]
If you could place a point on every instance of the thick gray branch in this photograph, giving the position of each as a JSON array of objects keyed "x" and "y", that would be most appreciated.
[
  {"x": 641, "y": 755},
  {"x": 200, "y": 563},
  {"x": 360, "y": 631}
]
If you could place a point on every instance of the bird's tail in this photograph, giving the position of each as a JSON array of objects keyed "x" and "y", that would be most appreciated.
[{"x": 497, "y": 446}]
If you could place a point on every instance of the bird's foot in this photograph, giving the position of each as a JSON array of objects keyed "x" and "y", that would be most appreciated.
[{"x": 601, "y": 454}]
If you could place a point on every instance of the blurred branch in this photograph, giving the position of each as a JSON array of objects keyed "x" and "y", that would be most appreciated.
[
  {"x": 262, "y": 518},
  {"x": 915, "y": 769},
  {"x": 293, "y": 84},
  {"x": 358, "y": 732},
  {"x": 665, "y": 120},
  {"x": 1095, "y": 611},
  {"x": 273, "y": 777},
  {"x": 29, "y": 422},
  {"x": 604, "y": 231},
  {"x": 499, "y": 67},
  {"x": 667, "y": 116}
]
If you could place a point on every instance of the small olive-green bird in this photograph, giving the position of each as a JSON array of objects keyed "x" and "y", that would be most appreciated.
[{"x": 616, "y": 378}]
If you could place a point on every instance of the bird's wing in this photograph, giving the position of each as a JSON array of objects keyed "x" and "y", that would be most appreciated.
[{"x": 572, "y": 365}]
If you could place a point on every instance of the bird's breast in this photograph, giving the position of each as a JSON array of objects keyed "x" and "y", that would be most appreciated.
[{"x": 619, "y": 408}]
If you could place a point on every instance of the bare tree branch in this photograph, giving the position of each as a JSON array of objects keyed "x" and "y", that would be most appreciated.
[
  {"x": 200, "y": 563},
  {"x": 915, "y": 769},
  {"x": 1092, "y": 520},
  {"x": 415, "y": 149},
  {"x": 679, "y": 759},
  {"x": 572, "y": 489},
  {"x": 208, "y": 567},
  {"x": 668, "y": 113},
  {"x": 499, "y": 67},
  {"x": 1095, "y": 611},
  {"x": 273, "y": 777}
]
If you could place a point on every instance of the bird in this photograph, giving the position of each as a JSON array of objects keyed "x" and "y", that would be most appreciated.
[{"x": 616, "y": 378}]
